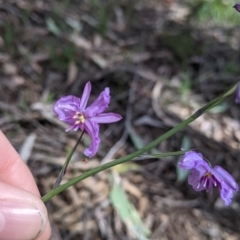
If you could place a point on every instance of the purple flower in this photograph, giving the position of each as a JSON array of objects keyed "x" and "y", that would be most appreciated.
[
  {"x": 237, "y": 93},
  {"x": 73, "y": 111},
  {"x": 203, "y": 177},
  {"x": 237, "y": 7}
]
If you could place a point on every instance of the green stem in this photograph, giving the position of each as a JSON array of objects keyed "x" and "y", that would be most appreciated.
[
  {"x": 151, "y": 145},
  {"x": 64, "y": 167}
]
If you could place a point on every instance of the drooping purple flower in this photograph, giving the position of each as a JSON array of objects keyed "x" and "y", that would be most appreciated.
[
  {"x": 237, "y": 7},
  {"x": 237, "y": 93},
  {"x": 73, "y": 110},
  {"x": 203, "y": 177}
]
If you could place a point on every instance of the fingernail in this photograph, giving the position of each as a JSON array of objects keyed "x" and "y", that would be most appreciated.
[{"x": 20, "y": 221}]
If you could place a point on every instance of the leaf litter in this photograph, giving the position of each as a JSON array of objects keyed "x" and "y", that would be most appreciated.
[{"x": 45, "y": 55}]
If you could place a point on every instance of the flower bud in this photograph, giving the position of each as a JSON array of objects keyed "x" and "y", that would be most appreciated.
[
  {"x": 237, "y": 94},
  {"x": 237, "y": 7}
]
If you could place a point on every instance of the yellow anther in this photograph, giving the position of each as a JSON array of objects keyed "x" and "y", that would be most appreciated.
[
  {"x": 82, "y": 119},
  {"x": 208, "y": 175}
]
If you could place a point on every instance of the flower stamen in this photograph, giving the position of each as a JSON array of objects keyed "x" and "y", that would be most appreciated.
[
  {"x": 81, "y": 119},
  {"x": 205, "y": 182}
]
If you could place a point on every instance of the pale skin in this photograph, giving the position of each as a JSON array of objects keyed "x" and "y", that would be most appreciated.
[{"x": 23, "y": 215}]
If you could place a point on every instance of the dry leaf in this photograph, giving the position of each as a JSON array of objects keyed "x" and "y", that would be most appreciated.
[
  {"x": 72, "y": 73},
  {"x": 81, "y": 42}
]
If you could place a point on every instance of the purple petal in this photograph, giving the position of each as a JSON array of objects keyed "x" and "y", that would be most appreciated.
[
  {"x": 99, "y": 105},
  {"x": 195, "y": 177},
  {"x": 237, "y": 7},
  {"x": 237, "y": 92},
  {"x": 106, "y": 118},
  {"x": 191, "y": 159},
  {"x": 226, "y": 194},
  {"x": 85, "y": 96},
  {"x": 66, "y": 107},
  {"x": 72, "y": 127},
  {"x": 92, "y": 129},
  {"x": 75, "y": 127},
  {"x": 223, "y": 176}
]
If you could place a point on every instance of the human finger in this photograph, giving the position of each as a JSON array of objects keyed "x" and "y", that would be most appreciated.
[
  {"x": 12, "y": 168},
  {"x": 23, "y": 216}
]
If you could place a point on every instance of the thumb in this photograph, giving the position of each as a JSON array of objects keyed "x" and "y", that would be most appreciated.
[{"x": 23, "y": 216}]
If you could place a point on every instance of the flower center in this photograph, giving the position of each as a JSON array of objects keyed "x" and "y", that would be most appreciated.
[
  {"x": 207, "y": 175},
  {"x": 208, "y": 180},
  {"x": 79, "y": 118}
]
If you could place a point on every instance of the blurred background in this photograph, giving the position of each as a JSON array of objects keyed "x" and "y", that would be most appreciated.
[{"x": 162, "y": 61}]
